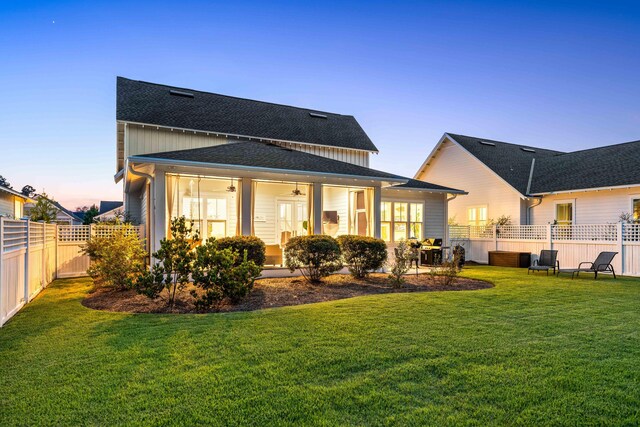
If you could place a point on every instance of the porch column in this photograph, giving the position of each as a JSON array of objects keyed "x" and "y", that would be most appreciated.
[
  {"x": 245, "y": 206},
  {"x": 159, "y": 213},
  {"x": 377, "y": 201},
  {"x": 317, "y": 208}
]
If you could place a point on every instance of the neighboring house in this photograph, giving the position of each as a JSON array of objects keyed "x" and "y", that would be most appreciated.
[
  {"x": 63, "y": 215},
  {"x": 110, "y": 210},
  {"x": 12, "y": 203},
  {"x": 535, "y": 185},
  {"x": 242, "y": 167}
]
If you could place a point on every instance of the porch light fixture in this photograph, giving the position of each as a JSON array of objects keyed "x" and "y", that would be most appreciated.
[{"x": 231, "y": 188}]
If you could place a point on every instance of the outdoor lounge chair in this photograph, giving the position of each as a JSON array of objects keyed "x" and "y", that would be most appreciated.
[
  {"x": 548, "y": 260},
  {"x": 600, "y": 265}
]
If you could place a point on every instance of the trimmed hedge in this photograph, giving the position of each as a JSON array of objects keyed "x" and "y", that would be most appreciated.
[
  {"x": 362, "y": 254},
  {"x": 316, "y": 256},
  {"x": 253, "y": 245}
]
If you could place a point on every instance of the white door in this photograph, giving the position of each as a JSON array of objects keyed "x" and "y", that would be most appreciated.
[{"x": 292, "y": 216}]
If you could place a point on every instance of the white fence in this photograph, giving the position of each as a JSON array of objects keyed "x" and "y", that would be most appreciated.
[
  {"x": 32, "y": 254},
  {"x": 574, "y": 243}
]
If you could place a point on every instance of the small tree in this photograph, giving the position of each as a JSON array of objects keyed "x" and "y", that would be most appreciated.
[
  {"x": 628, "y": 218},
  {"x": 4, "y": 182},
  {"x": 362, "y": 254},
  {"x": 28, "y": 191},
  {"x": 90, "y": 214},
  {"x": 316, "y": 256},
  {"x": 176, "y": 257},
  {"x": 402, "y": 263},
  {"x": 44, "y": 209},
  {"x": 116, "y": 260},
  {"x": 221, "y": 273}
]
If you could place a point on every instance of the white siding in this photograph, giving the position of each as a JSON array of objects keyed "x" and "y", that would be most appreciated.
[
  {"x": 434, "y": 208},
  {"x": 145, "y": 140},
  {"x": 590, "y": 207},
  {"x": 355, "y": 157},
  {"x": 454, "y": 167},
  {"x": 7, "y": 207},
  {"x": 337, "y": 199},
  {"x": 266, "y": 197}
]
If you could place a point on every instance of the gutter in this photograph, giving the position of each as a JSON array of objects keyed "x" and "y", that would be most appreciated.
[
  {"x": 539, "y": 200},
  {"x": 173, "y": 162},
  {"x": 152, "y": 214}
]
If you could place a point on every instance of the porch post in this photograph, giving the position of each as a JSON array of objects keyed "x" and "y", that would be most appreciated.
[
  {"x": 159, "y": 207},
  {"x": 377, "y": 201},
  {"x": 317, "y": 208},
  {"x": 245, "y": 206}
]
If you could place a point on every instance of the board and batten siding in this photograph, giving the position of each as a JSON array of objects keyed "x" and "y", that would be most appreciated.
[
  {"x": 149, "y": 139},
  {"x": 434, "y": 221},
  {"x": 590, "y": 207},
  {"x": 454, "y": 167}
]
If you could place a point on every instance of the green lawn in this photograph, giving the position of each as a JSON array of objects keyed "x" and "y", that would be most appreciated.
[{"x": 531, "y": 351}]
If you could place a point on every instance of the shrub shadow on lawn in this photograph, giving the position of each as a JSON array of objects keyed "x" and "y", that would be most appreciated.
[{"x": 281, "y": 292}]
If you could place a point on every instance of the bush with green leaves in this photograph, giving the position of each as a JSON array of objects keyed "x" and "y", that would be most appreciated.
[
  {"x": 401, "y": 264},
  {"x": 221, "y": 273},
  {"x": 253, "y": 245},
  {"x": 176, "y": 257},
  {"x": 116, "y": 260},
  {"x": 316, "y": 256},
  {"x": 362, "y": 254}
]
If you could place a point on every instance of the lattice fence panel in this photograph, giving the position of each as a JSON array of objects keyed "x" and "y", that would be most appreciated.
[
  {"x": 631, "y": 232},
  {"x": 522, "y": 232},
  {"x": 591, "y": 232}
]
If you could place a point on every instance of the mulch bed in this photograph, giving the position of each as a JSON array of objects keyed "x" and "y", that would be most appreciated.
[{"x": 280, "y": 292}]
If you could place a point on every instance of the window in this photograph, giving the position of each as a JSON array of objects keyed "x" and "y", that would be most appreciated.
[
  {"x": 17, "y": 208},
  {"x": 636, "y": 209},
  {"x": 415, "y": 218},
  {"x": 477, "y": 215},
  {"x": 401, "y": 220},
  {"x": 564, "y": 213},
  {"x": 385, "y": 221}
]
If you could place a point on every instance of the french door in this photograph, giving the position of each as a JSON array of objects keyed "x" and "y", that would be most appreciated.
[{"x": 292, "y": 220}]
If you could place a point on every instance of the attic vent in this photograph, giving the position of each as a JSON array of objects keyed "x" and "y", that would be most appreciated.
[
  {"x": 528, "y": 150},
  {"x": 180, "y": 93},
  {"x": 491, "y": 144},
  {"x": 318, "y": 115}
]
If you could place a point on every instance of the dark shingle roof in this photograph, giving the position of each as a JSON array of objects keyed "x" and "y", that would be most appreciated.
[
  {"x": 73, "y": 215},
  {"x": 270, "y": 156},
  {"x": 610, "y": 166},
  {"x": 151, "y": 103},
  {"x": 509, "y": 161},
  {"x": 106, "y": 206},
  {"x": 417, "y": 184}
]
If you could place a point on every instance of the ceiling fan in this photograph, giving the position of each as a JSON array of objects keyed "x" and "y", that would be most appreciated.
[{"x": 297, "y": 192}]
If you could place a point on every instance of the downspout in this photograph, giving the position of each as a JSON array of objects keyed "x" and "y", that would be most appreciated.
[
  {"x": 538, "y": 199},
  {"x": 446, "y": 218},
  {"x": 151, "y": 214}
]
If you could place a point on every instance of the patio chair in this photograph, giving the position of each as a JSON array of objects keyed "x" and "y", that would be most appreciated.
[
  {"x": 548, "y": 260},
  {"x": 600, "y": 265}
]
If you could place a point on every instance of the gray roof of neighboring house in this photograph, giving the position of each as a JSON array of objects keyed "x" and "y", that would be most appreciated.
[
  {"x": 73, "y": 215},
  {"x": 152, "y": 103},
  {"x": 108, "y": 205},
  {"x": 610, "y": 166},
  {"x": 509, "y": 161},
  {"x": 269, "y": 156}
]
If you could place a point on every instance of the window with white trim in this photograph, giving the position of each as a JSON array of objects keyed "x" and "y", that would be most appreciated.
[
  {"x": 477, "y": 215},
  {"x": 401, "y": 221},
  {"x": 635, "y": 207},
  {"x": 564, "y": 213}
]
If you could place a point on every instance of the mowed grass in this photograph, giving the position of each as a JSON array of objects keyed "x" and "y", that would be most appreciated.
[{"x": 531, "y": 351}]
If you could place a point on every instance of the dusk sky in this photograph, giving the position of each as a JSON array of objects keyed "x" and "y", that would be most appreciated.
[{"x": 562, "y": 75}]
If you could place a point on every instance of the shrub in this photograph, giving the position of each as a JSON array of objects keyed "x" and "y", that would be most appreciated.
[
  {"x": 254, "y": 247},
  {"x": 116, "y": 260},
  {"x": 362, "y": 254},
  {"x": 176, "y": 256},
  {"x": 221, "y": 272},
  {"x": 316, "y": 256},
  {"x": 402, "y": 263}
]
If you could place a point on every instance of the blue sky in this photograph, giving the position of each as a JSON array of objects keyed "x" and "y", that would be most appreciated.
[{"x": 562, "y": 75}]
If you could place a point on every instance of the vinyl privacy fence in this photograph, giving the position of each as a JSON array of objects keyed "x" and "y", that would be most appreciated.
[
  {"x": 33, "y": 254},
  {"x": 574, "y": 243}
]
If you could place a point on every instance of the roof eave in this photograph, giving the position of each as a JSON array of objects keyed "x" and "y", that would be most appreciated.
[
  {"x": 582, "y": 190},
  {"x": 250, "y": 137},
  {"x": 161, "y": 161}
]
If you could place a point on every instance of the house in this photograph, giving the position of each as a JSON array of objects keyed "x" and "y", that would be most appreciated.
[
  {"x": 237, "y": 166},
  {"x": 109, "y": 210},
  {"x": 12, "y": 203},
  {"x": 63, "y": 215},
  {"x": 535, "y": 185}
]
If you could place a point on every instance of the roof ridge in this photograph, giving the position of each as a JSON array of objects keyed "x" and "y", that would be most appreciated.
[
  {"x": 235, "y": 97},
  {"x": 506, "y": 143},
  {"x": 600, "y": 148}
]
